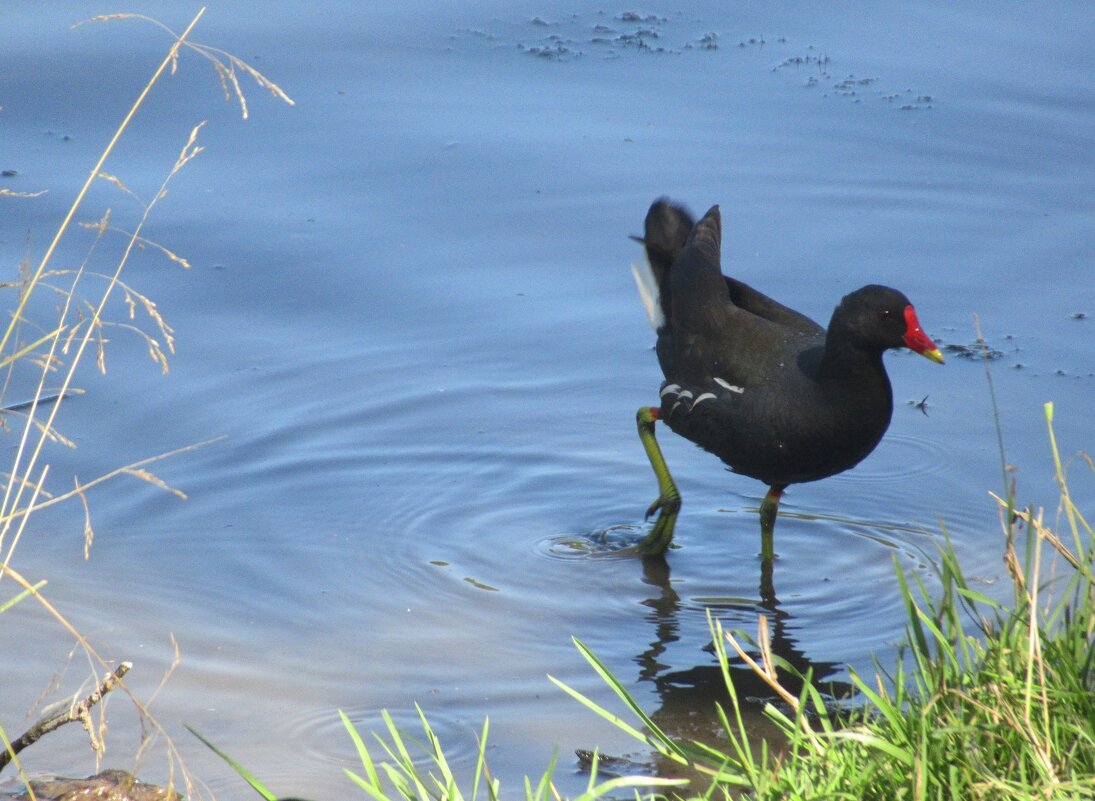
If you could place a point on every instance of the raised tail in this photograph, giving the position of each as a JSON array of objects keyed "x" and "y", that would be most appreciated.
[{"x": 665, "y": 232}]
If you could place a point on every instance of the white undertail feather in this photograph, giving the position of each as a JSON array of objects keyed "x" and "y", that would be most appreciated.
[{"x": 648, "y": 291}]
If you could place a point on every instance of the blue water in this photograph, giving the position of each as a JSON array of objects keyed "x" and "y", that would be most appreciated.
[{"x": 410, "y": 316}]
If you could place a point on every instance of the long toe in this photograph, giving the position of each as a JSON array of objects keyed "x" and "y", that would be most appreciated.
[{"x": 657, "y": 541}]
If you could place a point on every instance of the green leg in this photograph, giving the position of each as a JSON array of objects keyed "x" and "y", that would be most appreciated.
[
  {"x": 768, "y": 509},
  {"x": 668, "y": 502}
]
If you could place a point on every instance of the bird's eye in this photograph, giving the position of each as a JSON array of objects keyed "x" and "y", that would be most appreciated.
[{"x": 884, "y": 314}]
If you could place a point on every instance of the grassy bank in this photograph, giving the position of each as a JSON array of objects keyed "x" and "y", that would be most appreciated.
[
  {"x": 986, "y": 700},
  {"x": 993, "y": 702}
]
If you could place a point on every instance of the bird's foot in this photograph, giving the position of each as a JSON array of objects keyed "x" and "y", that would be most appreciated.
[
  {"x": 668, "y": 503},
  {"x": 657, "y": 541}
]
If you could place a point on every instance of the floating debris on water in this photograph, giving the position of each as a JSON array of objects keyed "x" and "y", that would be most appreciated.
[
  {"x": 977, "y": 350},
  {"x": 921, "y": 404},
  {"x": 615, "y": 36}
]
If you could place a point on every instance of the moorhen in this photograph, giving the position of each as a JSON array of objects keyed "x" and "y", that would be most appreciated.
[{"x": 766, "y": 389}]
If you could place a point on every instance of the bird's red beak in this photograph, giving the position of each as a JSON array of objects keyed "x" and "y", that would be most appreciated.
[{"x": 916, "y": 340}]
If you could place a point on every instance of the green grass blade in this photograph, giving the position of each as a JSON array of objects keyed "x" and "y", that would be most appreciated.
[
  {"x": 625, "y": 696},
  {"x": 374, "y": 791},
  {"x": 878, "y": 743},
  {"x": 8, "y": 604},
  {"x": 593, "y": 706},
  {"x": 627, "y": 783},
  {"x": 447, "y": 783},
  {"x": 409, "y": 771},
  {"x": 236, "y": 766},
  {"x": 543, "y": 789},
  {"x": 738, "y": 734},
  {"x": 920, "y": 642},
  {"x": 742, "y": 758},
  {"x": 480, "y": 760},
  {"x": 362, "y": 751}
]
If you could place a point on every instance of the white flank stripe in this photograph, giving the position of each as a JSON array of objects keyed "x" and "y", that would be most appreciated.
[
  {"x": 702, "y": 398},
  {"x": 670, "y": 389},
  {"x": 648, "y": 291},
  {"x": 722, "y": 382}
]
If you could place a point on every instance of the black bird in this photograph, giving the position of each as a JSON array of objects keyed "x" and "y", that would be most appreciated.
[{"x": 766, "y": 389}]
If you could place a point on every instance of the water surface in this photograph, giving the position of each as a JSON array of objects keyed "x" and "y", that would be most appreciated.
[{"x": 411, "y": 318}]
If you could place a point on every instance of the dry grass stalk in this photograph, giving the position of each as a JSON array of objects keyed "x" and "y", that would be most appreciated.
[{"x": 82, "y": 324}]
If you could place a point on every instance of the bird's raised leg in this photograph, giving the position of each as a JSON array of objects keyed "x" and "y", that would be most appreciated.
[
  {"x": 768, "y": 508},
  {"x": 668, "y": 502}
]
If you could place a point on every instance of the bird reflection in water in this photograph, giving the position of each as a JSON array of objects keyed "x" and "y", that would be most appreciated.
[{"x": 687, "y": 697}]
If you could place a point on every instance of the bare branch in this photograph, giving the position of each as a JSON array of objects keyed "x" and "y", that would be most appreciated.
[{"x": 80, "y": 711}]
